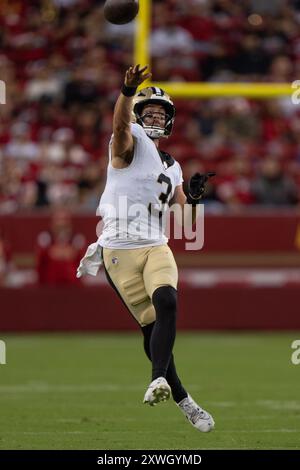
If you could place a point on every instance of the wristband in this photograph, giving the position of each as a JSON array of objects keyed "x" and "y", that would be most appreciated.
[{"x": 128, "y": 90}]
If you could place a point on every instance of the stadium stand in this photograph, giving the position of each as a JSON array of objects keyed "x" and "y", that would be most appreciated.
[
  {"x": 56, "y": 58},
  {"x": 63, "y": 67}
]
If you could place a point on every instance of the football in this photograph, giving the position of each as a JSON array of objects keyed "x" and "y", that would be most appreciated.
[{"x": 120, "y": 11}]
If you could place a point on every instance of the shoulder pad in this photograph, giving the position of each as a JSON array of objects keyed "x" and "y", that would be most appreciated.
[{"x": 166, "y": 157}]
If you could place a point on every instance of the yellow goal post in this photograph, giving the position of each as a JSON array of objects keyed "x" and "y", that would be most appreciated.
[{"x": 197, "y": 89}]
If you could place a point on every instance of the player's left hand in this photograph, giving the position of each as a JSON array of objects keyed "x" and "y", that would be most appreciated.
[
  {"x": 197, "y": 184},
  {"x": 136, "y": 76}
]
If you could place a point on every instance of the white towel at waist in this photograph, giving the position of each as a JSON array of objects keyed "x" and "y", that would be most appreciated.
[{"x": 91, "y": 261}]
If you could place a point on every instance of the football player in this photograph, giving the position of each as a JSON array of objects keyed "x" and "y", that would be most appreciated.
[{"x": 138, "y": 262}]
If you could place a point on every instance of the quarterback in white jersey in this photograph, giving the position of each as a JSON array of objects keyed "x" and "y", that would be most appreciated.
[
  {"x": 134, "y": 203},
  {"x": 142, "y": 180}
]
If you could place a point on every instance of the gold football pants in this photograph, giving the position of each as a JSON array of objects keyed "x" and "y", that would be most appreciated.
[{"x": 137, "y": 273}]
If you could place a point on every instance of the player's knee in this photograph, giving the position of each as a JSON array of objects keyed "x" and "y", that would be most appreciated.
[{"x": 165, "y": 300}]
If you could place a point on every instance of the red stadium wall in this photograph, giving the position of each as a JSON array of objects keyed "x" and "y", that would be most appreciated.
[
  {"x": 263, "y": 233},
  {"x": 98, "y": 308},
  {"x": 251, "y": 239}
]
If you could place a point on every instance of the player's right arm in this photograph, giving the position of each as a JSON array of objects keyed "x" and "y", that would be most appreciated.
[{"x": 122, "y": 144}]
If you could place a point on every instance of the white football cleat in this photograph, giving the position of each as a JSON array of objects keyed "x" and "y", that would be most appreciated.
[
  {"x": 198, "y": 417},
  {"x": 159, "y": 390}
]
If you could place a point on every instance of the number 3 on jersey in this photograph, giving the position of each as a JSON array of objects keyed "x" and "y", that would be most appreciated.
[
  {"x": 164, "y": 179},
  {"x": 164, "y": 195}
]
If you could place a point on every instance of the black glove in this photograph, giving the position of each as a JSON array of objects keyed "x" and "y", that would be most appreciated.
[{"x": 197, "y": 187}]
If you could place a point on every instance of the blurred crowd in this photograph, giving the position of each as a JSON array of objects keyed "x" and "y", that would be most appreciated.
[
  {"x": 63, "y": 66},
  {"x": 56, "y": 253}
]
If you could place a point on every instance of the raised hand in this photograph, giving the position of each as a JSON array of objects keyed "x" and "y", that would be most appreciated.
[{"x": 136, "y": 76}]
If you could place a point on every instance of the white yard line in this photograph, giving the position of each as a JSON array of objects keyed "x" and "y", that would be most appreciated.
[
  {"x": 284, "y": 430},
  {"x": 66, "y": 388}
]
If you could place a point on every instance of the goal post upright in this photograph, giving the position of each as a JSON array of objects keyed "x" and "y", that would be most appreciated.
[{"x": 142, "y": 56}]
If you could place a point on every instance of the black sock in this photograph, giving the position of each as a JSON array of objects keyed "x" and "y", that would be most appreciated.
[
  {"x": 178, "y": 391},
  {"x": 163, "y": 334}
]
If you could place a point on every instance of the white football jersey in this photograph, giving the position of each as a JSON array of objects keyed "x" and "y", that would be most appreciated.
[{"x": 135, "y": 200}]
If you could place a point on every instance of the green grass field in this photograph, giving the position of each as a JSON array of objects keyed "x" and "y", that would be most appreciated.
[{"x": 86, "y": 391}]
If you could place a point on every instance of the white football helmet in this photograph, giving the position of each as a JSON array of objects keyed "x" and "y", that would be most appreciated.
[{"x": 154, "y": 95}]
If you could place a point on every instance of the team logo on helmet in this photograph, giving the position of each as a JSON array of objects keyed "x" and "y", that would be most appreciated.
[{"x": 154, "y": 95}]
